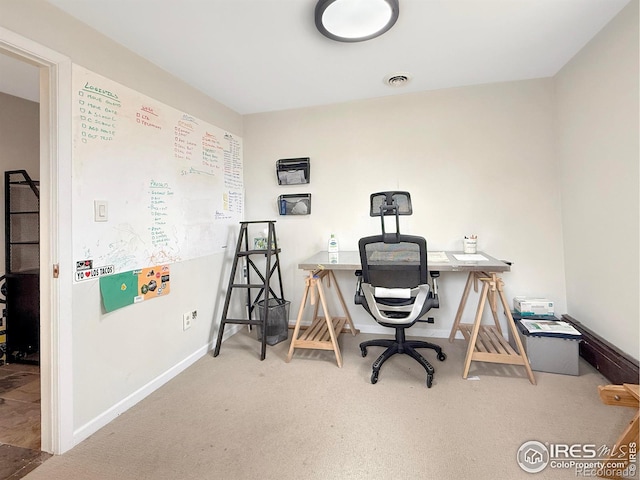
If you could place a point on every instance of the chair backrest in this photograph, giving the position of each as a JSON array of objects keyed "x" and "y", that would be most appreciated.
[{"x": 394, "y": 260}]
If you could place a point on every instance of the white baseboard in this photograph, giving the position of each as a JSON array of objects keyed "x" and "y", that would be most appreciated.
[
  {"x": 119, "y": 408},
  {"x": 125, "y": 404}
]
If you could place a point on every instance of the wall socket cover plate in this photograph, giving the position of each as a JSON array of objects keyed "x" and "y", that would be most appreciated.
[{"x": 186, "y": 320}]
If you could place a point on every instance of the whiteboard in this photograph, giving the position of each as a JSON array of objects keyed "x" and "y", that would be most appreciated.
[{"x": 172, "y": 183}]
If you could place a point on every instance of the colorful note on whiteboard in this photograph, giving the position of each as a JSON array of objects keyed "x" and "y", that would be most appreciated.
[{"x": 135, "y": 286}]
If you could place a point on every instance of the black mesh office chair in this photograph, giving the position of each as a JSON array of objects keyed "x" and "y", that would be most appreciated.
[{"x": 393, "y": 284}]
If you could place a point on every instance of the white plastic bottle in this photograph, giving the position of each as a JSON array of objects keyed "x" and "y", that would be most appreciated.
[{"x": 333, "y": 244}]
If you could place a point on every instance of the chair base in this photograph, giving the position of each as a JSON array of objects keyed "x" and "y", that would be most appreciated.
[{"x": 402, "y": 345}]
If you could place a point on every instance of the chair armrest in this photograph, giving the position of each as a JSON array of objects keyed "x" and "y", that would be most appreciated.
[
  {"x": 434, "y": 288},
  {"x": 358, "y": 298}
]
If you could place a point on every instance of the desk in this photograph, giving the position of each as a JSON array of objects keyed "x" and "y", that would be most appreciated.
[
  {"x": 486, "y": 343},
  {"x": 351, "y": 261}
]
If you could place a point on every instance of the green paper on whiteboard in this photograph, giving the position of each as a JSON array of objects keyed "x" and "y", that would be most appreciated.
[{"x": 119, "y": 290}]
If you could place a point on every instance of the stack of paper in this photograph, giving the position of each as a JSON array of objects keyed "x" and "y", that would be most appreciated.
[
  {"x": 549, "y": 327},
  {"x": 470, "y": 257},
  {"x": 437, "y": 257}
]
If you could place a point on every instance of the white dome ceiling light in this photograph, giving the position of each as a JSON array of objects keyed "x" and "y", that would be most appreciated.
[{"x": 355, "y": 20}]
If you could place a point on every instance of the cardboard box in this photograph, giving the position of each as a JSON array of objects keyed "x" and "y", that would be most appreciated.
[
  {"x": 553, "y": 354},
  {"x": 533, "y": 306}
]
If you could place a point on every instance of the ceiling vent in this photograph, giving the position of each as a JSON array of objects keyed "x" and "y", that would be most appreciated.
[{"x": 397, "y": 79}]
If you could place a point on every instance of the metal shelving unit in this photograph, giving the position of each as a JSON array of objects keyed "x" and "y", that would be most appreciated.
[{"x": 22, "y": 266}]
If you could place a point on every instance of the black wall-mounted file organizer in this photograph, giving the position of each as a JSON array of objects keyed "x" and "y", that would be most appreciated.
[
  {"x": 293, "y": 171},
  {"x": 294, "y": 204}
]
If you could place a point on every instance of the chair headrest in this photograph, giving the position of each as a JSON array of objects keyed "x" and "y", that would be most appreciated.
[{"x": 390, "y": 203}]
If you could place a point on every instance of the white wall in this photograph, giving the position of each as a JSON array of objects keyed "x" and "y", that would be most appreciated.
[
  {"x": 475, "y": 160},
  {"x": 597, "y": 135},
  {"x": 119, "y": 357},
  {"x": 19, "y": 145}
]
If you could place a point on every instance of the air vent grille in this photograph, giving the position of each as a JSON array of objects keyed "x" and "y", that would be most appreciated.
[{"x": 397, "y": 79}]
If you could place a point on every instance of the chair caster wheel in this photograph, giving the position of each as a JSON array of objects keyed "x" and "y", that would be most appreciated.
[
  {"x": 442, "y": 356},
  {"x": 363, "y": 351},
  {"x": 374, "y": 377},
  {"x": 429, "y": 380}
]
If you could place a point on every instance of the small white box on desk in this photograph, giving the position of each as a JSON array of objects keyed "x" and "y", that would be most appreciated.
[{"x": 533, "y": 306}]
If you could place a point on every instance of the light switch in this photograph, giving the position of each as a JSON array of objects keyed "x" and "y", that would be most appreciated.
[{"x": 100, "y": 210}]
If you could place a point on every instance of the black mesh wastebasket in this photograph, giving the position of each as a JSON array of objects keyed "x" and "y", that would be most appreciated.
[{"x": 277, "y": 322}]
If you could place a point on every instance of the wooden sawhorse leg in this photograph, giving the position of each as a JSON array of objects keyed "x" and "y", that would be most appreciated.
[
  {"x": 323, "y": 331},
  {"x": 487, "y": 342},
  {"x": 471, "y": 279},
  {"x": 626, "y": 448}
]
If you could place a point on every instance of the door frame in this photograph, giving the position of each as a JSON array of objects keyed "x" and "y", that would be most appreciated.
[{"x": 56, "y": 367}]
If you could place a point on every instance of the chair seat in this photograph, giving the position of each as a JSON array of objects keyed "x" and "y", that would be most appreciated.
[{"x": 404, "y": 312}]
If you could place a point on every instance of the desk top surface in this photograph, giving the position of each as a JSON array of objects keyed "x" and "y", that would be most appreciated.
[{"x": 456, "y": 261}]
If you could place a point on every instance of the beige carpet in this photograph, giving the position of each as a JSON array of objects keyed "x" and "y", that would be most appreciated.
[{"x": 235, "y": 417}]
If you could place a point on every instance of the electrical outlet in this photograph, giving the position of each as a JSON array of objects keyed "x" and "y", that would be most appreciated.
[{"x": 187, "y": 318}]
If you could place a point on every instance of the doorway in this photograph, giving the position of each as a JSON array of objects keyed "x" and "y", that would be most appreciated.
[
  {"x": 20, "y": 416},
  {"x": 54, "y": 162}
]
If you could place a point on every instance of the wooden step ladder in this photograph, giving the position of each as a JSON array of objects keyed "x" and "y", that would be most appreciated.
[{"x": 244, "y": 254}]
